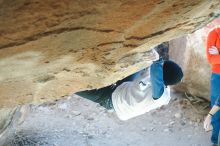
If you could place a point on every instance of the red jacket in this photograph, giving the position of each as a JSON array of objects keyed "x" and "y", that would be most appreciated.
[{"x": 214, "y": 40}]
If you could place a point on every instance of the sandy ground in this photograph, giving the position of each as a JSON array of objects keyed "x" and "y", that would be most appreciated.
[{"x": 75, "y": 121}]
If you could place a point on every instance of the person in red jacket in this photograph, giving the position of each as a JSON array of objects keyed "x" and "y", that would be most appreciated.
[{"x": 213, "y": 56}]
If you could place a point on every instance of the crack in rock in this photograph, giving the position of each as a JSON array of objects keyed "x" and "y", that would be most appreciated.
[
  {"x": 154, "y": 34},
  {"x": 57, "y": 31}
]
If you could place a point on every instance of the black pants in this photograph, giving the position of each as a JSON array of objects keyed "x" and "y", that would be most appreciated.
[{"x": 103, "y": 96}]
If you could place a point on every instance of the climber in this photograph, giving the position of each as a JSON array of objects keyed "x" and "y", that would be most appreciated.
[
  {"x": 139, "y": 93},
  {"x": 213, "y": 56}
]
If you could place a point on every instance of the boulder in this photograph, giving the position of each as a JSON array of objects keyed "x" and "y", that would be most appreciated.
[{"x": 50, "y": 49}]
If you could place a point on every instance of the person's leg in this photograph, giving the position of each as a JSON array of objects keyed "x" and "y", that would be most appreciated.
[
  {"x": 216, "y": 127},
  {"x": 215, "y": 92},
  {"x": 101, "y": 96},
  {"x": 218, "y": 139}
]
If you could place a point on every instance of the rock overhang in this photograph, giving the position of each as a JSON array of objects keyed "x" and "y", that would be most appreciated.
[{"x": 51, "y": 49}]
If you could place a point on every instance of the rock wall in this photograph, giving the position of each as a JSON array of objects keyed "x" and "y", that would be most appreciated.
[
  {"x": 49, "y": 49},
  {"x": 193, "y": 60}
]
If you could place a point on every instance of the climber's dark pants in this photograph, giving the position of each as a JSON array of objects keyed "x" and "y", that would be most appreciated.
[{"x": 103, "y": 95}]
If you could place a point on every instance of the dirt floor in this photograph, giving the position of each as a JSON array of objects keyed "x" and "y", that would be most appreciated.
[{"x": 75, "y": 121}]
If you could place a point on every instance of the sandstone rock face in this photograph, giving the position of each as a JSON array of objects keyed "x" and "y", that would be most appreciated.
[
  {"x": 49, "y": 49},
  {"x": 193, "y": 61}
]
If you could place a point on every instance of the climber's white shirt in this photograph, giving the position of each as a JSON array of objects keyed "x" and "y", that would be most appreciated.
[{"x": 131, "y": 99}]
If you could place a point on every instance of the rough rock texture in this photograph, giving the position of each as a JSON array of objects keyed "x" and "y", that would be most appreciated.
[
  {"x": 6, "y": 115},
  {"x": 49, "y": 49},
  {"x": 193, "y": 61}
]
